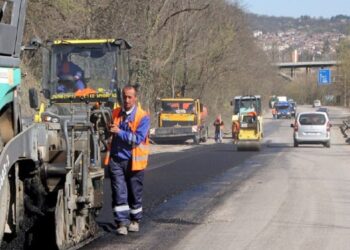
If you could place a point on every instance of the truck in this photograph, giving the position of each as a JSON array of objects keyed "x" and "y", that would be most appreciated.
[
  {"x": 281, "y": 98},
  {"x": 52, "y": 173},
  {"x": 180, "y": 119},
  {"x": 12, "y": 19},
  {"x": 284, "y": 110},
  {"x": 247, "y": 122},
  {"x": 273, "y": 99}
]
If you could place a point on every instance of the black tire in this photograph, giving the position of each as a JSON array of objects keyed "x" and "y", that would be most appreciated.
[
  {"x": 195, "y": 140},
  {"x": 4, "y": 206},
  {"x": 205, "y": 137},
  {"x": 327, "y": 144}
]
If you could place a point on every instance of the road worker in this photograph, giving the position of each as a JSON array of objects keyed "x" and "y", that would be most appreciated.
[
  {"x": 235, "y": 130},
  {"x": 274, "y": 113},
  {"x": 219, "y": 126},
  {"x": 129, "y": 156}
]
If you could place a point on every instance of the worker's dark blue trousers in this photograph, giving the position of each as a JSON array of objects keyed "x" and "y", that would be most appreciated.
[{"x": 127, "y": 187}]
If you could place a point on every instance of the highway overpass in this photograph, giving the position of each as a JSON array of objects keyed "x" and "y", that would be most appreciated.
[{"x": 307, "y": 65}]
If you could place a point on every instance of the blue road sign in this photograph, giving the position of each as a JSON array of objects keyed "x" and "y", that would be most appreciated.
[{"x": 324, "y": 77}]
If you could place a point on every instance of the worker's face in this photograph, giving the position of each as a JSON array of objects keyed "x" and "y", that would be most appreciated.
[{"x": 129, "y": 98}]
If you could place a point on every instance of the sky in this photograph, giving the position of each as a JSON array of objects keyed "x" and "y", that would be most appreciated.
[{"x": 297, "y": 8}]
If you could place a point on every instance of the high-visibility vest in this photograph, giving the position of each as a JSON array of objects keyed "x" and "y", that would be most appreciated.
[
  {"x": 235, "y": 126},
  {"x": 84, "y": 92},
  {"x": 139, "y": 152}
]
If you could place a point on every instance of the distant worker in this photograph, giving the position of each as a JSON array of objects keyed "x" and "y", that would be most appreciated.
[
  {"x": 253, "y": 115},
  {"x": 129, "y": 156},
  {"x": 235, "y": 130},
  {"x": 71, "y": 76},
  {"x": 219, "y": 126},
  {"x": 274, "y": 113}
]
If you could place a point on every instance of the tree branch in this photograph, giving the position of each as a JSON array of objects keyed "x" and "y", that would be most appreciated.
[{"x": 179, "y": 12}]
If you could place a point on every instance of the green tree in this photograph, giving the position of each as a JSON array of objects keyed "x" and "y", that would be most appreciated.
[{"x": 344, "y": 67}]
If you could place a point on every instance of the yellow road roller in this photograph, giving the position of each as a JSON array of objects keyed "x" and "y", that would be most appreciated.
[{"x": 247, "y": 122}]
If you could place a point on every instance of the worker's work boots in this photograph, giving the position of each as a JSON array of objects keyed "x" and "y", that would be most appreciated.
[
  {"x": 134, "y": 226},
  {"x": 122, "y": 230}
]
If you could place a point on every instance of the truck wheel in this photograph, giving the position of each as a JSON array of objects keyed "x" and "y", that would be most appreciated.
[
  {"x": 4, "y": 207},
  {"x": 195, "y": 140},
  {"x": 205, "y": 137},
  {"x": 327, "y": 144}
]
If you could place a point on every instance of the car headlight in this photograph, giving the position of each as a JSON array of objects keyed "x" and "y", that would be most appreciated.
[
  {"x": 152, "y": 131},
  {"x": 194, "y": 128},
  {"x": 47, "y": 118},
  {"x": 55, "y": 120}
]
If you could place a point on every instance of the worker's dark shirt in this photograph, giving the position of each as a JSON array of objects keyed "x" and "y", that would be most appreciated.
[{"x": 218, "y": 125}]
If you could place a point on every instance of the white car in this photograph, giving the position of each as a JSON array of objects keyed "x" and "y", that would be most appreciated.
[
  {"x": 312, "y": 128},
  {"x": 317, "y": 103}
]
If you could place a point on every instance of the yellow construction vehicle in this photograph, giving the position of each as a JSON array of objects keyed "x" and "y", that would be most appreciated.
[
  {"x": 52, "y": 180},
  {"x": 180, "y": 119},
  {"x": 247, "y": 122}
]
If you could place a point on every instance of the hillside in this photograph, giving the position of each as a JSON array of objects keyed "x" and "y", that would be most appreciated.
[
  {"x": 340, "y": 23},
  {"x": 312, "y": 38},
  {"x": 200, "y": 48}
]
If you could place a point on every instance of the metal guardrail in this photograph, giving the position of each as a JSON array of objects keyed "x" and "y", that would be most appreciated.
[{"x": 345, "y": 127}]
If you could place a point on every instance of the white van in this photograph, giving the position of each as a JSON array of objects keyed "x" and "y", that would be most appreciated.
[{"x": 312, "y": 128}]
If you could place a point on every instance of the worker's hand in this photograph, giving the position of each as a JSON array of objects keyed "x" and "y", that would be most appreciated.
[{"x": 114, "y": 129}]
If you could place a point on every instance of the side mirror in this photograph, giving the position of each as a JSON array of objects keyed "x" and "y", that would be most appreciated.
[
  {"x": 35, "y": 44},
  {"x": 292, "y": 125},
  {"x": 33, "y": 98},
  {"x": 46, "y": 93}
]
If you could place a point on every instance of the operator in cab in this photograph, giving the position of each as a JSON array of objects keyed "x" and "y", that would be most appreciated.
[{"x": 71, "y": 76}]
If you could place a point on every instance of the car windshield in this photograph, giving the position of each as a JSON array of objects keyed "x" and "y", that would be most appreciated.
[
  {"x": 75, "y": 68},
  {"x": 247, "y": 103},
  {"x": 282, "y": 107},
  {"x": 312, "y": 119},
  {"x": 178, "y": 107},
  {"x": 322, "y": 110}
]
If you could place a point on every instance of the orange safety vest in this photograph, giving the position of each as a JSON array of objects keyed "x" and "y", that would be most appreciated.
[
  {"x": 139, "y": 152},
  {"x": 84, "y": 92},
  {"x": 235, "y": 126}
]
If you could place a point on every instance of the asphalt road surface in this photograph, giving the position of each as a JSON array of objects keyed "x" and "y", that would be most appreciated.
[{"x": 213, "y": 197}]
